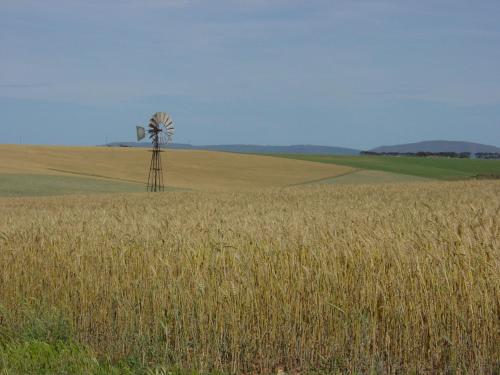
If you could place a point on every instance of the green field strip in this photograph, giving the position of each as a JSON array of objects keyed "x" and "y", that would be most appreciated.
[
  {"x": 436, "y": 168},
  {"x": 22, "y": 185}
]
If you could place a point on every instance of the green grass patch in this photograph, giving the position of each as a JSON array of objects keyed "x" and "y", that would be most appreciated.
[
  {"x": 19, "y": 185},
  {"x": 431, "y": 167},
  {"x": 37, "y": 357},
  {"x": 41, "y": 341}
]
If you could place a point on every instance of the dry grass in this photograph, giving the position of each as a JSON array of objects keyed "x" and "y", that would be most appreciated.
[
  {"x": 398, "y": 279},
  {"x": 369, "y": 177},
  {"x": 200, "y": 170}
]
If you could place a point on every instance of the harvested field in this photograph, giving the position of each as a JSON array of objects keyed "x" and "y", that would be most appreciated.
[
  {"x": 199, "y": 170},
  {"x": 369, "y": 177}
]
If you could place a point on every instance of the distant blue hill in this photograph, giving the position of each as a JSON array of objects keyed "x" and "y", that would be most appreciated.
[
  {"x": 252, "y": 149},
  {"x": 438, "y": 146}
]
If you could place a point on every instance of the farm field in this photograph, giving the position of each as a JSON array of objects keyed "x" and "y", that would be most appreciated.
[
  {"x": 15, "y": 185},
  {"x": 46, "y": 170},
  {"x": 226, "y": 220},
  {"x": 433, "y": 168},
  {"x": 126, "y": 169},
  {"x": 371, "y": 177},
  {"x": 335, "y": 279}
]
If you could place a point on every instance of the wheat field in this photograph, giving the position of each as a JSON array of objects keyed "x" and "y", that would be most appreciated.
[{"x": 348, "y": 279}]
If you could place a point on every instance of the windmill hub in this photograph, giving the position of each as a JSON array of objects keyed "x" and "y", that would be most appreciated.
[{"x": 160, "y": 130}]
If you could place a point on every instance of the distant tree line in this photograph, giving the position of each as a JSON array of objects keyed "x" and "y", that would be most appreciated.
[
  {"x": 488, "y": 155},
  {"x": 460, "y": 155}
]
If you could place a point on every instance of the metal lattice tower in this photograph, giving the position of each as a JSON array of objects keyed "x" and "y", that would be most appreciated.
[
  {"x": 155, "y": 178},
  {"x": 160, "y": 131}
]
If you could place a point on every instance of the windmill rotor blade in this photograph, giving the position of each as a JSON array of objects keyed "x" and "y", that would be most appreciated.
[
  {"x": 162, "y": 126},
  {"x": 160, "y": 118},
  {"x": 153, "y": 123},
  {"x": 156, "y": 118},
  {"x": 163, "y": 139}
]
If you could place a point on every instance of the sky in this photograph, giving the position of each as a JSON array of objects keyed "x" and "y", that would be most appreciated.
[{"x": 353, "y": 73}]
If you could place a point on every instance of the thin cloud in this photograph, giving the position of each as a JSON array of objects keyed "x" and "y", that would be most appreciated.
[{"x": 23, "y": 85}]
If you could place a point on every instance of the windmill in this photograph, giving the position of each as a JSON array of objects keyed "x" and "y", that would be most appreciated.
[{"x": 160, "y": 130}]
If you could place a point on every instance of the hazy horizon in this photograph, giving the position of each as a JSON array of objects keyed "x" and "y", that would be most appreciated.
[
  {"x": 147, "y": 144},
  {"x": 333, "y": 73}
]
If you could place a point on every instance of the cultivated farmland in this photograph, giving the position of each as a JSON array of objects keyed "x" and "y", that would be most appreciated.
[
  {"x": 198, "y": 170},
  {"x": 399, "y": 279},
  {"x": 438, "y": 168}
]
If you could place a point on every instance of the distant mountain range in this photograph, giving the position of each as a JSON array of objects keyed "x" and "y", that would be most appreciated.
[
  {"x": 252, "y": 149},
  {"x": 426, "y": 146},
  {"x": 438, "y": 146}
]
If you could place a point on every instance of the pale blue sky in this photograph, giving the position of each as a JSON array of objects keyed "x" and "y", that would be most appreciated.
[{"x": 342, "y": 73}]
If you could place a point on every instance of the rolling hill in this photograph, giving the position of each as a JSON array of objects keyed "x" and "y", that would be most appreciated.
[{"x": 44, "y": 168}]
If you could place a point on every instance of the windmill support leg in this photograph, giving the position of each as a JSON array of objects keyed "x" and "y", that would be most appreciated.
[
  {"x": 155, "y": 178},
  {"x": 160, "y": 175},
  {"x": 160, "y": 130},
  {"x": 150, "y": 171}
]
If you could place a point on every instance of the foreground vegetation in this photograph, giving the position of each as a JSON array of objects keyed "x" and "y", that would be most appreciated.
[
  {"x": 438, "y": 168},
  {"x": 44, "y": 344},
  {"x": 348, "y": 278}
]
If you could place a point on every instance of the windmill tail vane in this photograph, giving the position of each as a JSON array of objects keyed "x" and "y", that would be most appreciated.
[{"x": 160, "y": 130}]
